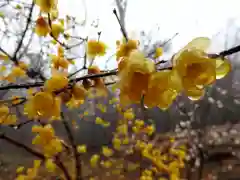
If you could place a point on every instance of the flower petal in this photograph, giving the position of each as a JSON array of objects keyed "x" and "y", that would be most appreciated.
[
  {"x": 223, "y": 67},
  {"x": 200, "y": 43}
]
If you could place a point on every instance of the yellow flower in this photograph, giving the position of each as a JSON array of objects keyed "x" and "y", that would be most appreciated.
[
  {"x": 94, "y": 160},
  {"x": 31, "y": 172},
  {"x": 126, "y": 48},
  {"x": 129, "y": 114},
  {"x": 5, "y": 117},
  {"x": 106, "y": 164},
  {"x": 59, "y": 62},
  {"x": 158, "y": 53},
  {"x": 149, "y": 130},
  {"x": 79, "y": 92},
  {"x": 18, "y": 72},
  {"x": 20, "y": 169},
  {"x": 197, "y": 69},
  {"x": 46, "y": 5},
  {"x": 42, "y": 27},
  {"x": 10, "y": 119},
  {"x": 56, "y": 82},
  {"x": 138, "y": 69},
  {"x": 23, "y": 65},
  {"x": 54, "y": 14},
  {"x": 122, "y": 129},
  {"x": 4, "y": 57},
  {"x": 3, "y": 68},
  {"x": 96, "y": 48},
  {"x": 82, "y": 149},
  {"x": 4, "y": 110},
  {"x": 117, "y": 143},
  {"x": 16, "y": 100},
  {"x": 57, "y": 29},
  {"x": 43, "y": 104},
  {"x": 46, "y": 138},
  {"x": 163, "y": 88},
  {"x": 139, "y": 123},
  {"x": 50, "y": 165},
  {"x": 107, "y": 151},
  {"x": 98, "y": 83},
  {"x": 102, "y": 122}
]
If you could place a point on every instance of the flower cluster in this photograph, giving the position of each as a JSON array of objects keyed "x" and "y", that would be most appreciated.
[
  {"x": 47, "y": 140},
  {"x": 193, "y": 69}
]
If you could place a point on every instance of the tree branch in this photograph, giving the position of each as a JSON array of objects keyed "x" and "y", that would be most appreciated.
[
  {"x": 22, "y": 146},
  {"x": 74, "y": 146},
  {"x": 35, "y": 153},
  {"x": 14, "y": 58}
]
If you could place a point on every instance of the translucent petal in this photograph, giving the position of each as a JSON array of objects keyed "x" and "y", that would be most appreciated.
[
  {"x": 163, "y": 89},
  {"x": 207, "y": 74},
  {"x": 223, "y": 67},
  {"x": 200, "y": 43}
]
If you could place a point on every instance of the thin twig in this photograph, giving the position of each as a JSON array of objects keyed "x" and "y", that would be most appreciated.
[
  {"x": 85, "y": 56},
  {"x": 50, "y": 25},
  {"x": 35, "y": 153},
  {"x": 227, "y": 52},
  {"x": 22, "y": 146},
  {"x": 62, "y": 167},
  {"x": 163, "y": 44},
  {"x": 39, "y": 84},
  {"x": 123, "y": 30},
  {"x": 20, "y": 125},
  {"x": 24, "y": 34},
  {"x": 74, "y": 146}
]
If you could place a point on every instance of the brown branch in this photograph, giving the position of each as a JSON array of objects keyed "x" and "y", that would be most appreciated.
[
  {"x": 227, "y": 52},
  {"x": 83, "y": 68},
  {"x": 22, "y": 146},
  {"x": 5, "y": 52},
  {"x": 123, "y": 30},
  {"x": 62, "y": 167},
  {"x": 39, "y": 84},
  {"x": 14, "y": 58},
  {"x": 35, "y": 153},
  {"x": 50, "y": 25},
  {"x": 20, "y": 125},
  {"x": 74, "y": 146}
]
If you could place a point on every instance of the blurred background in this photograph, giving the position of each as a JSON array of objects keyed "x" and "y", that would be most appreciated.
[{"x": 170, "y": 24}]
